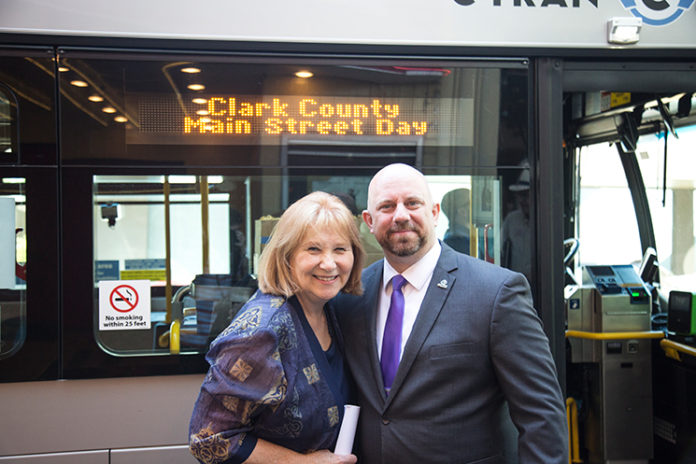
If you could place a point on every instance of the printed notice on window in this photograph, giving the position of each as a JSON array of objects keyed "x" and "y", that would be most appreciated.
[{"x": 124, "y": 304}]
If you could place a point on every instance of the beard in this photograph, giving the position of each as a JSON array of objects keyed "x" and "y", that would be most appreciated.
[{"x": 403, "y": 246}]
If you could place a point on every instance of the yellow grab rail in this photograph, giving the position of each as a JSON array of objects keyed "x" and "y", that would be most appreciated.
[
  {"x": 172, "y": 337},
  {"x": 672, "y": 349},
  {"x": 614, "y": 335},
  {"x": 573, "y": 434},
  {"x": 175, "y": 337},
  {"x": 167, "y": 249}
]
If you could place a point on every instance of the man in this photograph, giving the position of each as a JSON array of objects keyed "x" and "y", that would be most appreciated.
[
  {"x": 455, "y": 204},
  {"x": 470, "y": 342},
  {"x": 516, "y": 230}
]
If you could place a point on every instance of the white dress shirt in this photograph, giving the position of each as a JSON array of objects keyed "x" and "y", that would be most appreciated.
[{"x": 417, "y": 278}]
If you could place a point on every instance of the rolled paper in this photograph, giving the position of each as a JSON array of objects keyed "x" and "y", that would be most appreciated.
[{"x": 346, "y": 435}]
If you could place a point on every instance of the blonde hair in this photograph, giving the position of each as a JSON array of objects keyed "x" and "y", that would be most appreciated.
[{"x": 316, "y": 210}]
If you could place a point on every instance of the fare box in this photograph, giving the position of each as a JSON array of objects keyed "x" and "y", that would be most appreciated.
[{"x": 124, "y": 304}]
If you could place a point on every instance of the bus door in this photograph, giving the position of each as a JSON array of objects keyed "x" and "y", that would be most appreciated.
[{"x": 630, "y": 133}]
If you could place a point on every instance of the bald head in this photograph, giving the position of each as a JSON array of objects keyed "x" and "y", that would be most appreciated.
[
  {"x": 401, "y": 214},
  {"x": 401, "y": 174}
]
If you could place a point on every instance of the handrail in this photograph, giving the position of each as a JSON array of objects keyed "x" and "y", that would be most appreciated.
[
  {"x": 166, "y": 191},
  {"x": 205, "y": 207},
  {"x": 672, "y": 349},
  {"x": 172, "y": 337},
  {"x": 487, "y": 256},
  {"x": 614, "y": 335},
  {"x": 573, "y": 433},
  {"x": 175, "y": 337}
]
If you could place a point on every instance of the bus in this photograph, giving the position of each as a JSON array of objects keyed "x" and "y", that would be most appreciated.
[{"x": 147, "y": 149}]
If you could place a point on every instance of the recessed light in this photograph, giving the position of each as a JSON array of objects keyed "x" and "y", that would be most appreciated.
[{"x": 304, "y": 74}]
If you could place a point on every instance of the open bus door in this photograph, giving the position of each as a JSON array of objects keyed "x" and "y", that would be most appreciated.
[{"x": 629, "y": 133}]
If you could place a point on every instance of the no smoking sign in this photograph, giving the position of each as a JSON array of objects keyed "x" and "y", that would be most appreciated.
[
  {"x": 124, "y": 304},
  {"x": 124, "y": 298}
]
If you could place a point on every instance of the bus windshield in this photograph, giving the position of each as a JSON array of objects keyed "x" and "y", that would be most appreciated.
[{"x": 607, "y": 224}]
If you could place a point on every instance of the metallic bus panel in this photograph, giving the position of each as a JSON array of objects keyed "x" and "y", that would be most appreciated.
[
  {"x": 97, "y": 414},
  {"x": 476, "y": 23},
  {"x": 75, "y": 457}
]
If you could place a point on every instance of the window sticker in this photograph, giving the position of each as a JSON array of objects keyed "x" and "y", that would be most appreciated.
[{"x": 124, "y": 304}]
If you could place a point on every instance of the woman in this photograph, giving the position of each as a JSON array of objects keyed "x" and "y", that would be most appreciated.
[{"x": 276, "y": 387}]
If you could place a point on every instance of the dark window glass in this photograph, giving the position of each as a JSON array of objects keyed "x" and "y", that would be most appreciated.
[
  {"x": 13, "y": 262},
  {"x": 190, "y": 161}
]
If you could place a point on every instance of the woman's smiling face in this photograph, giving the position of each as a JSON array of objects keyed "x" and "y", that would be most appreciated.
[{"x": 321, "y": 266}]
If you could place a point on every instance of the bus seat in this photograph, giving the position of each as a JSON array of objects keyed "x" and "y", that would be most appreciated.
[{"x": 217, "y": 299}]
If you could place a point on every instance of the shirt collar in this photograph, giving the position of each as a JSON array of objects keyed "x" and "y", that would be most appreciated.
[{"x": 419, "y": 273}]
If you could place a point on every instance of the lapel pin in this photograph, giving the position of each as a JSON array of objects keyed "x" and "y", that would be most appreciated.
[{"x": 442, "y": 284}]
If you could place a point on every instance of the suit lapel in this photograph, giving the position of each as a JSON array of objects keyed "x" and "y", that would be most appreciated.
[
  {"x": 433, "y": 302},
  {"x": 372, "y": 284}
]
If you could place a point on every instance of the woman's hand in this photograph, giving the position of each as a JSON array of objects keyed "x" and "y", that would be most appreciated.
[
  {"x": 327, "y": 457},
  {"x": 266, "y": 452}
]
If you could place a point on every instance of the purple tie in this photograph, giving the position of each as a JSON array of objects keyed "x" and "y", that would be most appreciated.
[{"x": 391, "y": 343}]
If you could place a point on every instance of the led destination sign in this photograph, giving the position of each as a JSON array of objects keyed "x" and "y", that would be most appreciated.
[
  {"x": 306, "y": 115},
  {"x": 242, "y": 119}
]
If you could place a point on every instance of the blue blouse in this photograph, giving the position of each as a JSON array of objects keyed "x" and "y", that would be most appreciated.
[{"x": 269, "y": 378}]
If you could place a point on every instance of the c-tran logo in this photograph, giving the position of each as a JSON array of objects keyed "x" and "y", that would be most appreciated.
[
  {"x": 530, "y": 3},
  {"x": 652, "y": 12},
  {"x": 657, "y": 12}
]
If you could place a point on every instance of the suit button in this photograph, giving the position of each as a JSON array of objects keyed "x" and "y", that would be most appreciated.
[{"x": 385, "y": 421}]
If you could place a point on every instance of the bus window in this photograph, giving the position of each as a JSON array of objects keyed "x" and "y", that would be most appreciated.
[
  {"x": 470, "y": 214},
  {"x": 13, "y": 258},
  {"x": 672, "y": 205},
  {"x": 6, "y": 126},
  {"x": 607, "y": 227},
  {"x": 13, "y": 252},
  {"x": 176, "y": 170},
  {"x": 29, "y": 312},
  {"x": 169, "y": 248},
  {"x": 185, "y": 248}
]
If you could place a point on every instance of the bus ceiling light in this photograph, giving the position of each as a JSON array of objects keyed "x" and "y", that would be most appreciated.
[
  {"x": 304, "y": 74},
  {"x": 624, "y": 31},
  {"x": 187, "y": 179},
  {"x": 182, "y": 179}
]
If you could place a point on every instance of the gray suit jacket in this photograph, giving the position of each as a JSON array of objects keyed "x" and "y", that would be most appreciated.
[{"x": 477, "y": 342}]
